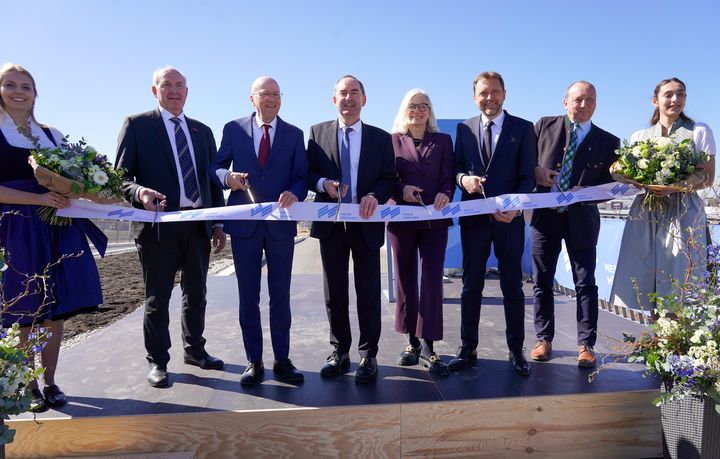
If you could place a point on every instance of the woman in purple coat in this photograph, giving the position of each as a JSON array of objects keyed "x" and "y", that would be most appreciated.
[{"x": 424, "y": 162}]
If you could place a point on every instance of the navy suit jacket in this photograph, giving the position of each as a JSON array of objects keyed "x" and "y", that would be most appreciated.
[
  {"x": 145, "y": 152},
  {"x": 284, "y": 170},
  {"x": 591, "y": 166},
  {"x": 376, "y": 173},
  {"x": 511, "y": 168}
]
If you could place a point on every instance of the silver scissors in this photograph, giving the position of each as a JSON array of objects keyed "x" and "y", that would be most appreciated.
[
  {"x": 482, "y": 189},
  {"x": 156, "y": 201},
  {"x": 419, "y": 199},
  {"x": 250, "y": 195},
  {"x": 339, "y": 200}
]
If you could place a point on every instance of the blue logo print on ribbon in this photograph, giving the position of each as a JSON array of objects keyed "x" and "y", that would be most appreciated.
[
  {"x": 264, "y": 211},
  {"x": 327, "y": 211},
  {"x": 510, "y": 201},
  {"x": 191, "y": 214},
  {"x": 390, "y": 212},
  {"x": 121, "y": 213},
  {"x": 451, "y": 210},
  {"x": 620, "y": 188},
  {"x": 564, "y": 197}
]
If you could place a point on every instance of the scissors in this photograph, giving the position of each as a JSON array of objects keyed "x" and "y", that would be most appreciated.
[
  {"x": 339, "y": 200},
  {"x": 417, "y": 196},
  {"x": 482, "y": 189},
  {"x": 250, "y": 195},
  {"x": 156, "y": 201}
]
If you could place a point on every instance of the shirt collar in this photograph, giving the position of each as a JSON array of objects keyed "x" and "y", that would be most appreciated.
[
  {"x": 498, "y": 121},
  {"x": 166, "y": 115},
  {"x": 584, "y": 126},
  {"x": 259, "y": 123},
  {"x": 355, "y": 127}
]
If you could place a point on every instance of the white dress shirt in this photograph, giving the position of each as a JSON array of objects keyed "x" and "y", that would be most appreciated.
[
  {"x": 355, "y": 138},
  {"x": 170, "y": 127}
]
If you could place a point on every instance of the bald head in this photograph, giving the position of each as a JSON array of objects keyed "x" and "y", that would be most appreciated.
[
  {"x": 580, "y": 101},
  {"x": 265, "y": 96}
]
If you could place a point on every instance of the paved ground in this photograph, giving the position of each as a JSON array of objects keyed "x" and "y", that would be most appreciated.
[{"x": 104, "y": 374}]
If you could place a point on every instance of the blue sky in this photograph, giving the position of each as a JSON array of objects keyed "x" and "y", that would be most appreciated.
[{"x": 93, "y": 60}]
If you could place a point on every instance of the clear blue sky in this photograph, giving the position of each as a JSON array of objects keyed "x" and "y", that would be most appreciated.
[{"x": 93, "y": 60}]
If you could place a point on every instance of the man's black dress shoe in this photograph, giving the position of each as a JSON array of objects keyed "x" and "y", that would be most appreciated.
[
  {"x": 434, "y": 364},
  {"x": 37, "y": 404},
  {"x": 409, "y": 356},
  {"x": 54, "y": 397},
  {"x": 208, "y": 362},
  {"x": 463, "y": 359},
  {"x": 367, "y": 370},
  {"x": 335, "y": 365},
  {"x": 519, "y": 363},
  {"x": 253, "y": 374},
  {"x": 158, "y": 376},
  {"x": 285, "y": 370}
]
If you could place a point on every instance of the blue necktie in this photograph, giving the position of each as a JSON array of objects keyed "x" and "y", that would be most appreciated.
[
  {"x": 186, "y": 165},
  {"x": 566, "y": 169},
  {"x": 345, "y": 164}
]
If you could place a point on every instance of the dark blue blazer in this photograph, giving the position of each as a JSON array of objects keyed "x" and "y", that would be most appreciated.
[
  {"x": 376, "y": 173},
  {"x": 285, "y": 170},
  {"x": 511, "y": 168}
]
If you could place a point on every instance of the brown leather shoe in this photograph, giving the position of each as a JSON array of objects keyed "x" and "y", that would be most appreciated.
[
  {"x": 586, "y": 356},
  {"x": 542, "y": 350}
]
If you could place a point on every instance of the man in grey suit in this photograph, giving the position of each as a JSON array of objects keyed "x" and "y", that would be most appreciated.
[
  {"x": 166, "y": 156},
  {"x": 356, "y": 160}
]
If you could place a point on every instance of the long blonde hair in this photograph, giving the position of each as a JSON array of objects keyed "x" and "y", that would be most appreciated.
[{"x": 10, "y": 67}]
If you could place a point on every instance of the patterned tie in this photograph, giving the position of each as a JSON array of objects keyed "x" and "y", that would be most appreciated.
[
  {"x": 264, "y": 149},
  {"x": 186, "y": 164},
  {"x": 487, "y": 143},
  {"x": 345, "y": 164},
  {"x": 566, "y": 169}
]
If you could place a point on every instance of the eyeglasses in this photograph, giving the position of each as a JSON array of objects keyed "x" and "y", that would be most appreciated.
[
  {"x": 267, "y": 95},
  {"x": 418, "y": 107}
]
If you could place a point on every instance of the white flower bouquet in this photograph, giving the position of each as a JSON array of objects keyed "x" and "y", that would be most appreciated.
[
  {"x": 76, "y": 170},
  {"x": 659, "y": 164}
]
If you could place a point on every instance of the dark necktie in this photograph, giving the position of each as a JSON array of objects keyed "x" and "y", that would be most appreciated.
[
  {"x": 487, "y": 143},
  {"x": 345, "y": 164},
  {"x": 566, "y": 168},
  {"x": 186, "y": 164},
  {"x": 264, "y": 150}
]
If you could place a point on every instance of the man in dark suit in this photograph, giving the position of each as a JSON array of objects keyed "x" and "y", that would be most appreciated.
[
  {"x": 268, "y": 160},
  {"x": 166, "y": 157},
  {"x": 494, "y": 154},
  {"x": 356, "y": 160},
  {"x": 573, "y": 153}
]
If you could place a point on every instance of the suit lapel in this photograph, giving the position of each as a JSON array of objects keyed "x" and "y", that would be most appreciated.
[
  {"x": 425, "y": 147},
  {"x": 162, "y": 133},
  {"x": 246, "y": 125},
  {"x": 409, "y": 150},
  {"x": 333, "y": 143}
]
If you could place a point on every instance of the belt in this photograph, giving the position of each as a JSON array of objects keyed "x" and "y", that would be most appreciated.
[{"x": 189, "y": 208}]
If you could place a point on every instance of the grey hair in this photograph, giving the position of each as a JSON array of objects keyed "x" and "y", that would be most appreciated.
[
  {"x": 400, "y": 125},
  {"x": 158, "y": 74}
]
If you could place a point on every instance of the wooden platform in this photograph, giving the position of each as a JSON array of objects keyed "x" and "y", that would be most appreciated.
[{"x": 611, "y": 425}]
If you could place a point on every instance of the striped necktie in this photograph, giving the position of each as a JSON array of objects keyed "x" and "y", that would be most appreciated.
[
  {"x": 566, "y": 169},
  {"x": 189, "y": 178}
]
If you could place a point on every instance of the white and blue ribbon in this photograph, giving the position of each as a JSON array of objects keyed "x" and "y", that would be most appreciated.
[{"x": 325, "y": 212}]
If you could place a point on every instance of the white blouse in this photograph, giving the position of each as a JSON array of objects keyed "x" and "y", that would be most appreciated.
[
  {"x": 16, "y": 139},
  {"x": 702, "y": 136}
]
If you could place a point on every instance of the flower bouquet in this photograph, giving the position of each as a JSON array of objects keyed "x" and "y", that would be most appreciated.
[
  {"x": 683, "y": 348},
  {"x": 76, "y": 170},
  {"x": 659, "y": 164}
]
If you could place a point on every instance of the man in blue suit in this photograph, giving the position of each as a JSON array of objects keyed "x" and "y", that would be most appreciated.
[
  {"x": 495, "y": 153},
  {"x": 269, "y": 163}
]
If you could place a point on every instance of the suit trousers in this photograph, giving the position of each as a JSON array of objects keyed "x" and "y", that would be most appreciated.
[
  {"x": 189, "y": 252},
  {"x": 335, "y": 252},
  {"x": 419, "y": 310},
  {"x": 247, "y": 256},
  {"x": 508, "y": 242},
  {"x": 546, "y": 246}
]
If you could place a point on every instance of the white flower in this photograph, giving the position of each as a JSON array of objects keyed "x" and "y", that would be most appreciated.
[
  {"x": 643, "y": 164},
  {"x": 100, "y": 177},
  {"x": 636, "y": 151},
  {"x": 663, "y": 141}
]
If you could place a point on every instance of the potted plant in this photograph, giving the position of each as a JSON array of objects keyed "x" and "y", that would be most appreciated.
[{"x": 682, "y": 350}]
